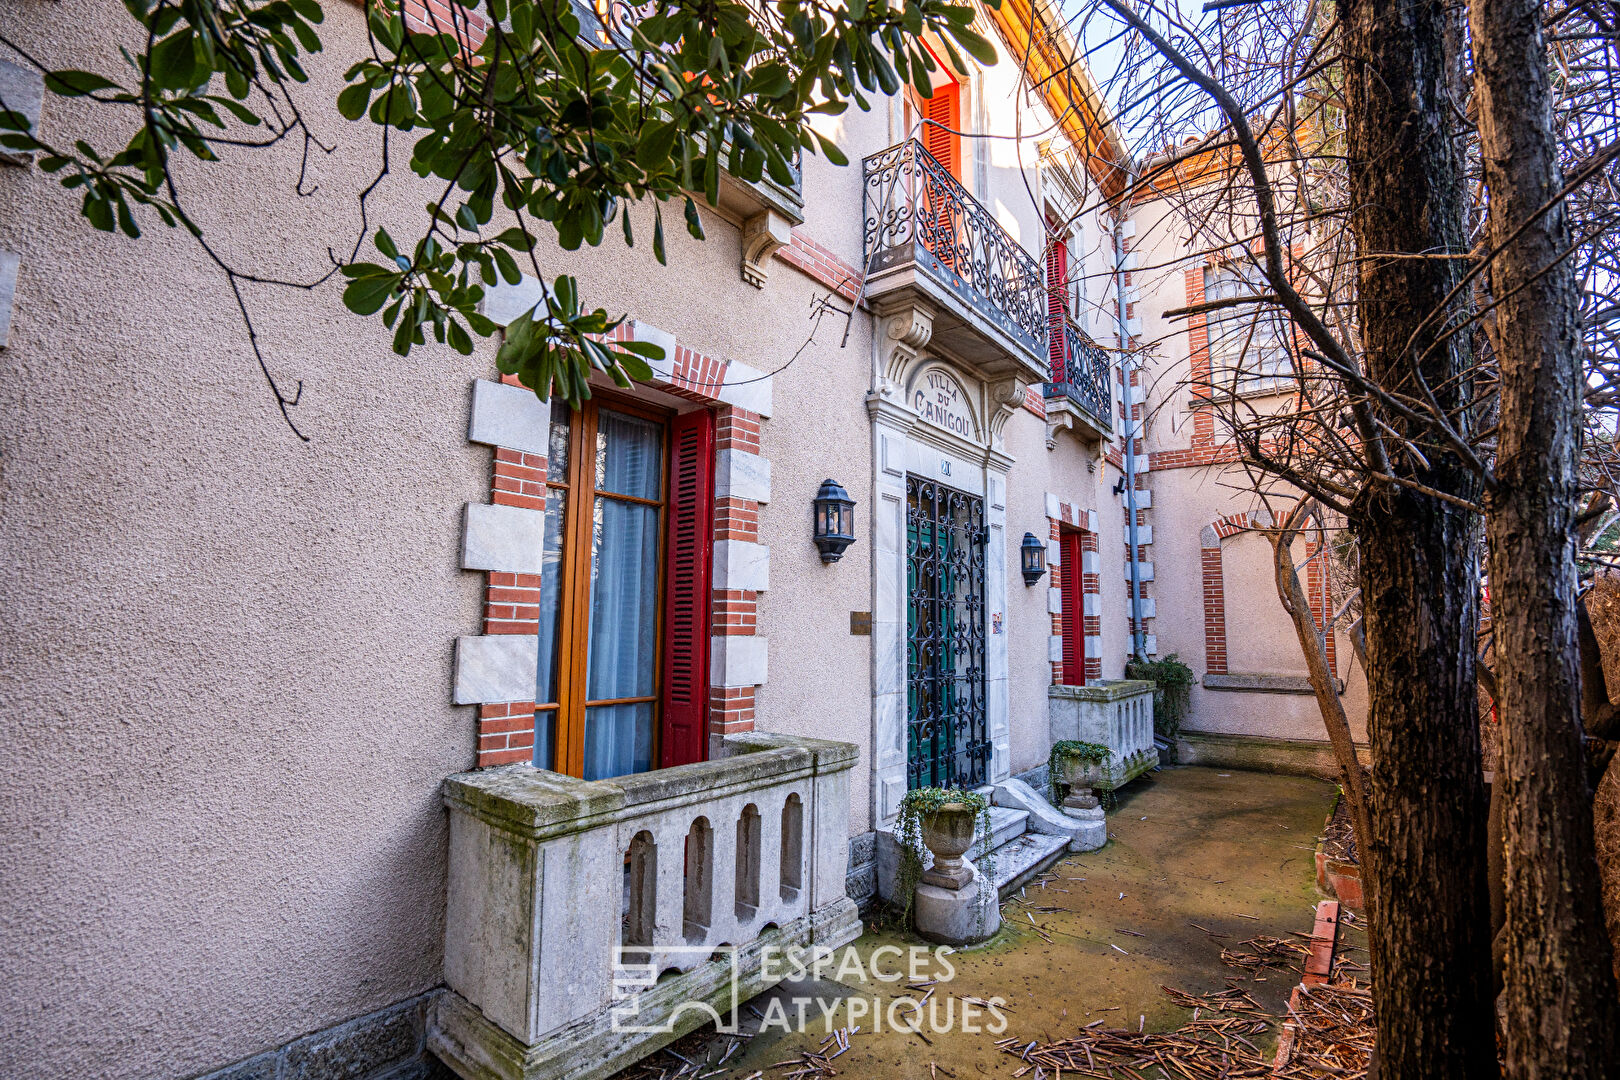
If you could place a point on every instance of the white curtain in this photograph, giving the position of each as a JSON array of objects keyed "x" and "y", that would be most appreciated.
[{"x": 624, "y": 597}]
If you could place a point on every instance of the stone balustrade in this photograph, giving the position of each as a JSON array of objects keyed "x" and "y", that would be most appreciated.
[
  {"x": 1116, "y": 713},
  {"x": 588, "y": 923}
]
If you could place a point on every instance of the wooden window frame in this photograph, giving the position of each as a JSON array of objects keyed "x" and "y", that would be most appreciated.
[{"x": 574, "y": 590}]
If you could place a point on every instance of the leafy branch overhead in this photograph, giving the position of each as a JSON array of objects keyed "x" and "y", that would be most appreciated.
[{"x": 529, "y": 116}]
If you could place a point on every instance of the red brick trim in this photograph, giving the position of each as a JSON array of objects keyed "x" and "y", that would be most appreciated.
[
  {"x": 1215, "y": 591},
  {"x": 731, "y": 709},
  {"x": 511, "y": 601},
  {"x": 1198, "y": 354},
  {"x": 1319, "y": 589},
  {"x": 821, "y": 264},
  {"x": 1215, "y": 588},
  {"x": 519, "y": 480},
  {"x": 1035, "y": 401},
  {"x": 437, "y": 17},
  {"x": 1193, "y": 457},
  {"x": 1069, "y": 520},
  {"x": 1214, "y": 612},
  {"x": 737, "y": 429},
  {"x": 505, "y": 733},
  {"x": 512, "y": 604},
  {"x": 734, "y": 613}
]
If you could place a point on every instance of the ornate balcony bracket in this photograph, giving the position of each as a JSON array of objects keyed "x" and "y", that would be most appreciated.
[
  {"x": 1006, "y": 398},
  {"x": 763, "y": 235},
  {"x": 905, "y": 331}
]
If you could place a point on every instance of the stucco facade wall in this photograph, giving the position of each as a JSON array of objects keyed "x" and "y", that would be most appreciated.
[
  {"x": 1028, "y": 621},
  {"x": 1071, "y": 471},
  {"x": 820, "y": 682},
  {"x": 1259, "y": 636},
  {"x": 227, "y": 654}
]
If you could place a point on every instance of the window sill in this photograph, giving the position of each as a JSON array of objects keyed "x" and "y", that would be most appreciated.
[{"x": 1264, "y": 684}]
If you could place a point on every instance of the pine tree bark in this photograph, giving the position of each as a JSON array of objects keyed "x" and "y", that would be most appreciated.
[
  {"x": 1419, "y": 562},
  {"x": 1562, "y": 1011}
]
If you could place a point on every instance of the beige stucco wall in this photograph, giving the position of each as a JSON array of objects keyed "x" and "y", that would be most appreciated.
[
  {"x": 227, "y": 674},
  {"x": 1260, "y": 638},
  {"x": 820, "y": 682},
  {"x": 226, "y": 660},
  {"x": 1071, "y": 471}
]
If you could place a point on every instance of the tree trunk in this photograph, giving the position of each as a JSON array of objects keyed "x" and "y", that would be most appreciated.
[
  {"x": 1561, "y": 1006},
  {"x": 1419, "y": 561},
  {"x": 1312, "y": 642}
]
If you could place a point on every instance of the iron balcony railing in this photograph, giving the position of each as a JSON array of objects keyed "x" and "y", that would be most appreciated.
[
  {"x": 1086, "y": 377},
  {"x": 916, "y": 211}
]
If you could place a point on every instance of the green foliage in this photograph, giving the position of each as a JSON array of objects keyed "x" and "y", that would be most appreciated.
[
  {"x": 1172, "y": 690},
  {"x": 917, "y": 804},
  {"x": 549, "y": 124},
  {"x": 1065, "y": 749}
]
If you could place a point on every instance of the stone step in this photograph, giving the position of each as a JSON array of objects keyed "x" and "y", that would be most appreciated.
[
  {"x": 1023, "y": 858},
  {"x": 1006, "y": 825}
]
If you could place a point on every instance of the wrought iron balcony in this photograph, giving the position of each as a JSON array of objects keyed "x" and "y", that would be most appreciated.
[
  {"x": 1087, "y": 374},
  {"x": 927, "y": 238}
]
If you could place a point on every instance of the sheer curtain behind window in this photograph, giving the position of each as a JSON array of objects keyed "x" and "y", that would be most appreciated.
[{"x": 624, "y": 597}]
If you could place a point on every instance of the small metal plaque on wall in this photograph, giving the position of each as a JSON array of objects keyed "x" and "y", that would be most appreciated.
[{"x": 860, "y": 623}]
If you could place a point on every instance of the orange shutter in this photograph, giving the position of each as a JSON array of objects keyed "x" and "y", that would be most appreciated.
[
  {"x": 945, "y": 145},
  {"x": 686, "y": 590}
]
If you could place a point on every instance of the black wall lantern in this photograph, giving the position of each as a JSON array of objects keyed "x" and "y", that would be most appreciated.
[
  {"x": 835, "y": 521},
  {"x": 1033, "y": 554}
]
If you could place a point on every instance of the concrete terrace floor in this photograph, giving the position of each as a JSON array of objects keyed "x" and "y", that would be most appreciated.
[{"x": 1187, "y": 845}]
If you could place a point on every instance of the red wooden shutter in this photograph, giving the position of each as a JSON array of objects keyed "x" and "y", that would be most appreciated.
[
  {"x": 945, "y": 145},
  {"x": 686, "y": 590},
  {"x": 1074, "y": 612},
  {"x": 1057, "y": 282}
]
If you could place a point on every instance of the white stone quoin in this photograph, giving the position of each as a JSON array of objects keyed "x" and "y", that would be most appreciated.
[
  {"x": 588, "y": 923},
  {"x": 510, "y": 417}
]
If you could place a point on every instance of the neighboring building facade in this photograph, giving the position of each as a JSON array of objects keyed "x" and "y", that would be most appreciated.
[{"x": 241, "y": 667}]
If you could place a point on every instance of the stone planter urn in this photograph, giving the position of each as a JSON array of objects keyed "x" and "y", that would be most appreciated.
[
  {"x": 948, "y": 833},
  {"x": 953, "y": 904},
  {"x": 1081, "y": 774}
]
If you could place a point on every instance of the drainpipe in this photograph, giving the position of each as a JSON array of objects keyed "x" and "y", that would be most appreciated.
[{"x": 1125, "y": 365}]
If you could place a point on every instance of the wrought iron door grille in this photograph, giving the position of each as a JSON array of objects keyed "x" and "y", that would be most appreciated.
[{"x": 947, "y": 736}]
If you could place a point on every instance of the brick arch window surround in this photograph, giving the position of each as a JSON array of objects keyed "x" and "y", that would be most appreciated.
[
  {"x": 491, "y": 667},
  {"x": 1074, "y": 604},
  {"x": 1214, "y": 585}
]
